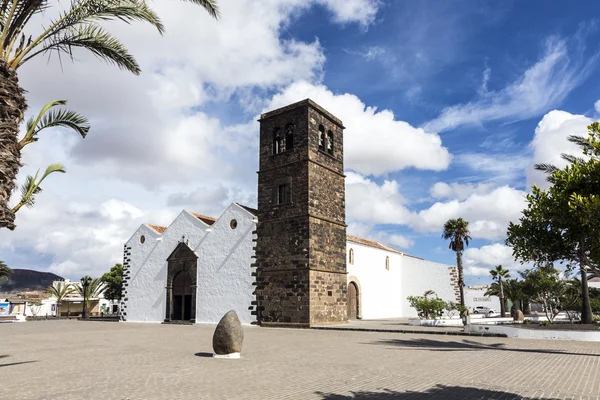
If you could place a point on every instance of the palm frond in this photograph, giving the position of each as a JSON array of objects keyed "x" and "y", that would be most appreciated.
[
  {"x": 579, "y": 141},
  {"x": 547, "y": 168},
  {"x": 31, "y": 187},
  {"x": 48, "y": 118},
  {"x": 571, "y": 159},
  {"x": 210, "y": 6},
  {"x": 95, "y": 39},
  {"x": 85, "y": 13}
]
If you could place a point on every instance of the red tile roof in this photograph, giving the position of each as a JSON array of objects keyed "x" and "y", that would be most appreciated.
[
  {"x": 204, "y": 218},
  {"x": 157, "y": 228}
]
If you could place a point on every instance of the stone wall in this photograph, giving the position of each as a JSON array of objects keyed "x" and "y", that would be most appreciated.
[{"x": 300, "y": 245}]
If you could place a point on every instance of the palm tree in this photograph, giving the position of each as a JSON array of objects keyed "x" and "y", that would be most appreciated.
[
  {"x": 494, "y": 290},
  {"x": 513, "y": 290},
  {"x": 457, "y": 231},
  {"x": 4, "y": 271},
  {"x": 78, "y": 26},
  {"x": 497, "y": 274},
  {"x": 60, "y": 291},
  {"x": 93, "y": 290}
]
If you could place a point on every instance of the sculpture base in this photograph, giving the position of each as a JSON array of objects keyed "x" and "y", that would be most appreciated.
[{"x": 231, "y": 355}]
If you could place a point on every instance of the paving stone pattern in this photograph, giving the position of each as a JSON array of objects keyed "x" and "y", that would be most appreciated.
[{"x": 60, "y": 360}]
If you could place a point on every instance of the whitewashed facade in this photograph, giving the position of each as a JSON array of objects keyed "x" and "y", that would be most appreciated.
[{"x": 223, "y": 251}]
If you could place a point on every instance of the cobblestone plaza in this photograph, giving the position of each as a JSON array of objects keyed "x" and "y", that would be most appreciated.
[{"x": 116, "y": 361}]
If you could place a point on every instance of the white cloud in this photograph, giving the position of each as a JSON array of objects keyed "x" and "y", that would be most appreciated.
[
  {"x": 488, "y": 213},
  {"x": 551, "y": 140},
  {"x": 367, "y": 201},
  {"x": 542, "y": 86},
  {"x": 496, "y": 167},
  {"x": 375, "y": 143},
  {"x": 163, "y": 139},
  {"x": 458, "y": 191},
  {"x": 597, "y": 106},
  {"x": 479, "y": 261}
]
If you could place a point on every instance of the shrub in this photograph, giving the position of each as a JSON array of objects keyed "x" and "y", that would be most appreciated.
[{"x": 427, "y": 307}]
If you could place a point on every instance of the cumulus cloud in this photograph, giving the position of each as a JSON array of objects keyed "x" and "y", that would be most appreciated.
[
  {"x": 458, "y": 191},
  {"x": 479, "y": 261},
  {"x": 375, "y": 142},
  {"x": 163, "y": 140},
  {"x": 551, "y": 140},
  {"x": 542, "y": 86},
  {"x": 488, "y": 209},
  {"x": 488, "y": 213}
]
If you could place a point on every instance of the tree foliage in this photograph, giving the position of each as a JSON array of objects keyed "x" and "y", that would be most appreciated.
[
  {"x": 4, "y": 271},
  {"x": 114, "y": 282},
  {"x": 563, "y": 223},
  {"x": 429, "y": 306},
  {"x": 60, "y": 291}
]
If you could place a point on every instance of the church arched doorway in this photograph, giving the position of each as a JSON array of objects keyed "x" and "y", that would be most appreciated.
[
  {"x": 182, "y": 297},
  {"x": 353, "y": 311},
  {"x": 181, "y": 284}
]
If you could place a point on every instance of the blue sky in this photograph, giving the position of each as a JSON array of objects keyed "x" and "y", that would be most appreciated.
[{"x": 447, "y": 105}]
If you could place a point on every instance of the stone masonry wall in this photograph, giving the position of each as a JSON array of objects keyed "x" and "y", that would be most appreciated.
[{"x": 300, "y": 246}]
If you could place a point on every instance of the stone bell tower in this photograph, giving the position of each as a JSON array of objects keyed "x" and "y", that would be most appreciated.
[{"x": 301, "y": 233}]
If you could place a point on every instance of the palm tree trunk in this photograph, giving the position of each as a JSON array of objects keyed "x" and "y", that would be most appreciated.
[
  {"x": 461, "y": 281},
  {"x": 12, "y": 110},
  {"x": 586, "y": 308},
  {"x": 502, "y": 303}
]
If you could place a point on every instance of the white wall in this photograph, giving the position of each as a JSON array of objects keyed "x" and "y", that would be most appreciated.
[
  {"x": 224, "y": 271},
  {"x": 224, "y": 280},
  {"x": 146, "y": 290},
  {"x": 476, "y": 297},
  {"x": 380, "y": 288},
  {"x": 42, "y": 310},
  {"x": 419, "y": 276}
]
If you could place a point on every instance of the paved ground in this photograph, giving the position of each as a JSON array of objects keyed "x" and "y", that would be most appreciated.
[
  {"x": 58, "y": 360},
  {"x": 393, "y": 325}
]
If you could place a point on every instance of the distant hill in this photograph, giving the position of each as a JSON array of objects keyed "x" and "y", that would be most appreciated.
[{"x": 24, "y": 280}]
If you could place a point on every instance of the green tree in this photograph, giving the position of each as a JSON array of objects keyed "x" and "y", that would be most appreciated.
[
  {"x": 114, "y": 282},
  {"x": 557, "y": 224},
  {"x": 498, "y": 273},
  {"x": 494, "y": 290},
  {"x": 547, "y": 288},
  {"x": 457, "y": 231},
  {"x": 93, "y": 290},
  {"x": 79, "y": 26},
  {"x": 60, "y": 291},
  {"x": 4, "y": 271},
  {"x": 513, "y": 290}
]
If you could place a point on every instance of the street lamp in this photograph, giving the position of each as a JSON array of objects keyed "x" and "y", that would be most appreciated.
[{"x": 85, "y": 282}]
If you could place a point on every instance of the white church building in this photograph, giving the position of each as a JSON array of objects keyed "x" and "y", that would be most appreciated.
[
  {"x": 198, "y": 268},
  {"x": 379, "y": 278}
]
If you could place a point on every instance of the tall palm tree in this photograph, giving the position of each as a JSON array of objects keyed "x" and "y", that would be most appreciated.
[
  {"x": 60, "y": 291},
  {"x": 93, "y": 290},
  {"x": 77, "y": 26},
  {"x": 497, "y": 274},
  {"x": 457, "y": 231},
  {"x": 4, "y": 271},
  {"x": 494, "y": 290}
]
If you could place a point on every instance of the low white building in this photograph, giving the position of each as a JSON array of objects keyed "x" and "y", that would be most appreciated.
[
  {"x": 199, "y": 267},
  {"x": 475, "y": 296}
]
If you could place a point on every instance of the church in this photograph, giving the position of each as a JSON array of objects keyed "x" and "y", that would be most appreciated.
[{"x": 287, "y": 263}]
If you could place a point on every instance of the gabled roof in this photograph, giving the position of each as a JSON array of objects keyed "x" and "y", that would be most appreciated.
[
  {"x": 249, "y": 209},
  {"x": 376, "y": 245},
  {"x": 157, "y": 228},
  {"x": 204, "y": 218}
]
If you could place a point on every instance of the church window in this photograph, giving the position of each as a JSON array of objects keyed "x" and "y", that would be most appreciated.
[
  {"x": 142, "y": 239},
  {"x": 289, "y": 137},
  {"x": 233, "y": 224},
  {"x": 329, "y": 142},
  {"x": 387, "y": 263},
  {"x": 283, "y": 194},
  {"x": 351, "y": 257},
  {"x": 321, "y": 137},
  {"x": 277, "y": 141}
]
